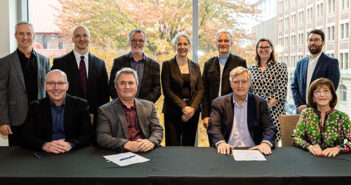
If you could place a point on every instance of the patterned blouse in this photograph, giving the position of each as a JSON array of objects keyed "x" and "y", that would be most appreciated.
[
  {"x": 271, "y": 83},
  {"x": 336, "y": 130}
]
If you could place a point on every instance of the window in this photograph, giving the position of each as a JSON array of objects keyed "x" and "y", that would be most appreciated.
[
  {"x": 301, "y": 18},
  {"x": 344, "y": 31},
  {"x": 293, "y": 40},
  {"x": 319, "y": 10},
  {"x": 286, "y": 42},
  {"x": 344, "y": 60},
  {"x": 343, "y": 92},
  {"x": 344, "y": 4},
  {"x": 286, "y": 22},
  {"x": 309, "y": 14},
  {"x": 331, "y": 6},
  {"x": 330, "y": 33}
]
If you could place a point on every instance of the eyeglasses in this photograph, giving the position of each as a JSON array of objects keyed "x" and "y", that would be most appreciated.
[
  {"x": 314, "y": 40},
  {"x": 137, "y": 40},
  {"x": 237, "y": 82},
  {"x": 319, "y": 92},
  {"x": 58, "y": 84},
  {"x": 123, "y": 83},
  {"x": 223, "y": 40},
  {"x": 264, "y": 47}
]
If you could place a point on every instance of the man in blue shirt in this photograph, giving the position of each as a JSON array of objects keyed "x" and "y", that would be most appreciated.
[
  {"x": 241, "y": 119},
  {"x": 58, "y": 123}
]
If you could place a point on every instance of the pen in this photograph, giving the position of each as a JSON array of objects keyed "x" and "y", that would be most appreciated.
[
  {"x": 127, "y": 158},
  {"x": 228, "y": 155},
  {"x": 37, "y": 155}
]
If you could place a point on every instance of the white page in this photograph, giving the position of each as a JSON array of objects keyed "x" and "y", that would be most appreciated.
[
  {"x": 248, "y": 155},
  {"x": 125, "y": 159}
]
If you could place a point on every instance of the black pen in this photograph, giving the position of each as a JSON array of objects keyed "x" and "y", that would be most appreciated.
[{"x": 37, "y": 155}]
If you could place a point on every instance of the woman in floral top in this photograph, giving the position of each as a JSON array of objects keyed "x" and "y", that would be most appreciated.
[{"x": 321, "y": 129}]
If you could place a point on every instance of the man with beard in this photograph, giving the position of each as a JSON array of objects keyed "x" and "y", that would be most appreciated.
[
  {"x": 148, "y": 70},
  {"x": 312, "y": 67}
]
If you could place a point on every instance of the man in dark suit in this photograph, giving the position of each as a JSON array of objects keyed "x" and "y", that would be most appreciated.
[
  {"x": 22, "y": 76},
  {"x": 86, "y": 73},
  {"x": 128, "y": 123},
  {"x": 310, "y": 68},
  {"x": 216, "y": 73},
  {"x": 241, "y": 119},
  {"x": 58, "y": 123},
  {"x": 148, "y": 70}
]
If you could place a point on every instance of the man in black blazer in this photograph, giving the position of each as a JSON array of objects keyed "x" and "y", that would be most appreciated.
[
  {"x": 148, "y": 70},
  {"x": 241, "y": 119},
  {"x": 86, "y": 73},
  {"x": 58, "y": 123},
  {"x": 216, "y": 73}
]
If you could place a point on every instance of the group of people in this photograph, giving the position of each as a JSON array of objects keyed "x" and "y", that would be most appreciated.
[{"x": 68, "y": 106}]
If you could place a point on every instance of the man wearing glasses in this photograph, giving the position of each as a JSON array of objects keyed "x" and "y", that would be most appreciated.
[
  {"x": 148, "y": 70},
  {"x": 316, "y": 65},
  {"x": 59, "y": 122},
  {"x": 241, "y": 119}
]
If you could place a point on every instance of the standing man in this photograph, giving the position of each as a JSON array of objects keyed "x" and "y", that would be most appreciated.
[
  {"x": 216, "y": 73},
  {"x": 59, "y": 122},
  {"x": 86, "y": 73},
  {"x": 241, "y": 119},
  {"x": 22, "y": 77},
  {"x": 310, "y": 68},
  {"x": 148, "y": 70},
  {"x": 128, "y": 123}
]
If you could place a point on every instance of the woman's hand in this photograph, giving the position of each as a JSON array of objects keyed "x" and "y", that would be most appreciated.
[
  {"x": 188, "y": 111},
  {"x": 331, "y": 152},
  {"x": 315, "y": 150}
]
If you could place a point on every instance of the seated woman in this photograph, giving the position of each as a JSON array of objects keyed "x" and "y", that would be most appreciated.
[{"x": 323, "y": 130}]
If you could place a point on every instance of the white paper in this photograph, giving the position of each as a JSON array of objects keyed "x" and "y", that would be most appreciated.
[
  {"x": 248, "y": 155},
  {"x": 125, "y": 159}
]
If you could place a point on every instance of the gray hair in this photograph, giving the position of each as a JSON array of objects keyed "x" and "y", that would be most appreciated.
[
  {"x": 180, "y": 34},
  {"x": 129, "y": 38},
  {"x": 27, "y": 23},
  {"x": 56, "y": 70},
  {"x": 224, "y": 31},
  {"x": 238, "y": 71},
  {"x": 81, "y": 26},
  {"x": 127, "y": 70}
]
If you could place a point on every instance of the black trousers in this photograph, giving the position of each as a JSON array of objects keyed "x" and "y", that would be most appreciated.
[
  {"x": 179, "y": 133},
  {"x": 14, "y": 138}
]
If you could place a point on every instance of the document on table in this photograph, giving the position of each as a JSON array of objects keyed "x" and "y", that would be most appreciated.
[
  {"x": 248, "y": 155},
  {"x": 125, "y": 159}
]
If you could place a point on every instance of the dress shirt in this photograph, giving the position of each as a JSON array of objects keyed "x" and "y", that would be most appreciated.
[
  {"x": 86, "y": 60},
  {"x": 29, "y": 69},
  {"x": 58, "y": 121},
  {"x": 311, "y": 66},
  {"x": 134, "y": 132},
  {"x": 222, "y": 62},
  {"x": 138, "y": 66}
]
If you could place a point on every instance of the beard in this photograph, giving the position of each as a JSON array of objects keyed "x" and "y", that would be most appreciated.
[{"x": 317, "y": 50}]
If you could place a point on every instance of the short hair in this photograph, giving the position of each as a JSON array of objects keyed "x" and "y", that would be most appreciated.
[
  {"x": 130, "y": 35},
  {"x": 56, "y": 70},
  {"x": 24, "y": 22},
  {"x": 126, "y": 70},
  {"x": 180, "y": 34},
  {"x": 224, "y": 31},
  {"x": 81, "y": 26},
  {"x": 318, "y": 32},
  {"x": 271, "y": 57},
  {"x": 315, "y": 85},
  {"x": 238, "y": 71}
]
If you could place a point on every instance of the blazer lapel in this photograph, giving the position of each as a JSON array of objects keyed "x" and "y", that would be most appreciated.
[
  {"x": 318, "y": 66},
  {"x": 120, "y": 113},
  {"x": 74, "y": 70},
  {"x": 141, "y": 118},
  {"x": 304, "y": 71},
  {"x": 16, "y": 62},
  {"x": 251, "y": 113},
  {"x": 175, "y": 68},
  {"x": 145, "y": 72},
  {"x": 229, "y": 108},
  {"x": 192, "y": 74},
  {"x": 46, "y": 112}
]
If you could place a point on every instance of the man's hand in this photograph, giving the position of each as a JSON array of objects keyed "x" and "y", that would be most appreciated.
[
  {"x": 224, "y": 148},
  {"x": 57, "y": 146},
  {"x": 205, "y": 122},
  {"x": 315, "y": 150},
  {"x": 145, "y": 145},
  {"x": 131, "y": 146},
  {"x": 5, "y": 129},
  {"x": 300, "y": 108},
  {"x": 188, "y": 111},
  {"x": 264, "y": 148}
]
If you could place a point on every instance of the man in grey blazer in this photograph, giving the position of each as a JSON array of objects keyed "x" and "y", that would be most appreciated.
[
  {"x": 128, "y": 123},
  {"x": 22, "y": 77}
]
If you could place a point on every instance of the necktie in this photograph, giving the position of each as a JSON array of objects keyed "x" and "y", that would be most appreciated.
[{"x": 83, "y": 76}]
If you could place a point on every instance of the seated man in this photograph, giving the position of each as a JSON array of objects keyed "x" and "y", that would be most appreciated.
[
  {"x": 241, "y": 119},
  {"x": 59, "y": 122},
  {"x": 128, "y": 123}
]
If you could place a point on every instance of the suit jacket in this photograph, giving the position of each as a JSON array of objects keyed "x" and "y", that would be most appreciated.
[
  {"x": 327, "y": 67},
  {"x": 211, "y": 80},
  {"x": 37, "y": 129},
  {"x": 172, "y": 84},
  {"x": 97, "y": 87},
  {"x": 13, "y": 96},
  {"x": 150, "y": 88},
  {"x": 259, "y": 120},
  {"x": 112, "y": 131}
]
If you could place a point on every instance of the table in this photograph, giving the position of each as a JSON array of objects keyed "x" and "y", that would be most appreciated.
[{"x": 171, "y": 165}]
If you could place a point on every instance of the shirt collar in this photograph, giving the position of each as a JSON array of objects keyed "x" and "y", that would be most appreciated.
[
  {"x": 132, "y": 59},
  {"x": 77, "y": 55},
  {"x": 234, "y": 102},
  {"x": 33, "y": 54},
  {"x": 223, "y": 60},
  {"x": 54, "y": 106},
  {"x": 314, "y": 60}
]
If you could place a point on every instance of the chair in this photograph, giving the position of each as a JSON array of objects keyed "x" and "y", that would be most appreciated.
[{"x": 287, "y": 125}]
